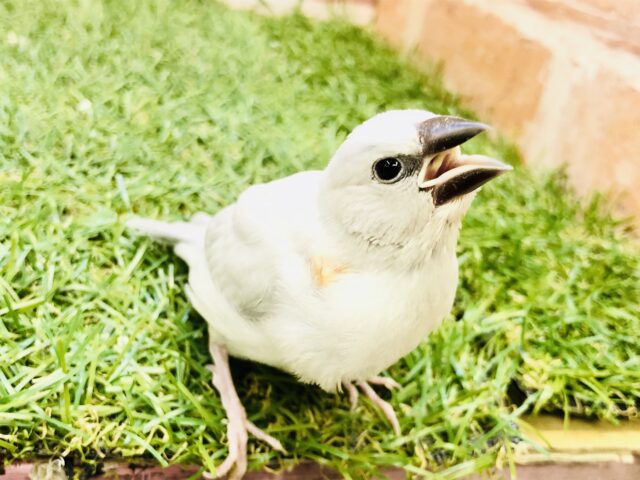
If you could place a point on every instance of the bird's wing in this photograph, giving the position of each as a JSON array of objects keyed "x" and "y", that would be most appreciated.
[
  {"x": 251, "y": 244},
  {"x": 237, "y": 258}
]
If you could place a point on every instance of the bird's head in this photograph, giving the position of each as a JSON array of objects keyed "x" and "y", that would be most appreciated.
[{"x": 399, "y": 183}]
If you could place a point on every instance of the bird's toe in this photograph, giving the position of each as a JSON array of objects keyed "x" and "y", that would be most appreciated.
[
  {"x": 352, "y": 391},
  {"x": 265, "y": 437},
  {"x": 387, "y": 382},
  {"x": 384, "y": 406}
]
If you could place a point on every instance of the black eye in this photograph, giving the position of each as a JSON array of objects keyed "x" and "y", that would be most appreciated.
[{"x": 388, "y": 170}]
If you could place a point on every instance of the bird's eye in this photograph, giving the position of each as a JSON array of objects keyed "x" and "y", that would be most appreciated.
[{"x": 388, "y": 170}]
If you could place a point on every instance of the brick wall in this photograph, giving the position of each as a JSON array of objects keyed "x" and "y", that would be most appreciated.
[{"x": 561, "y": 77}]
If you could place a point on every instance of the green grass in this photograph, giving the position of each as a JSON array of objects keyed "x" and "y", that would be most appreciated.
[{"x": 102, "y": 356}]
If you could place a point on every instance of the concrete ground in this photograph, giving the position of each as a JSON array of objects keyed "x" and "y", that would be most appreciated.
[
  {"x": 308, "y": 471},
  {"x": 580, "y": 451}
]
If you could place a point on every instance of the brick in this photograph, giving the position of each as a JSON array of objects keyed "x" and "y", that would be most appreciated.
[
  {"x": 500, "y": 71},
  {"x": 391, "y": 20},
  {"x": 400, "y": 21},
  {"x": 617, "y": 23},
  {"x": 600, "y": 140}
]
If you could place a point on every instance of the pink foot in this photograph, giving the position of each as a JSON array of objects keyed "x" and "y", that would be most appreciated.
[
  {"x": 371, "y": 394},
  {"x": 238, "y": 427}
]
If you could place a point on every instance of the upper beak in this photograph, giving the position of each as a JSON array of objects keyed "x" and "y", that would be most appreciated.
[
  {"x": 444, "y": 132},
  {"x": 448, "y": 173}
]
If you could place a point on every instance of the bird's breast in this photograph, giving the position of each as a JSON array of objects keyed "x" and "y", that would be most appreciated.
[{"x": 353, "y": 324}]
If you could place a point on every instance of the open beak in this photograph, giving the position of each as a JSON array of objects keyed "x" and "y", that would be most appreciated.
[{"x": 449, "y": 174}]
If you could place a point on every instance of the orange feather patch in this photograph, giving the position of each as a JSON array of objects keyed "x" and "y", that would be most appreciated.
[{"x": 325, "y": 272}]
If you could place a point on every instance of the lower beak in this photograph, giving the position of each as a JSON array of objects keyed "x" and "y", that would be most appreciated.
[{"x": 450, "y": 175}]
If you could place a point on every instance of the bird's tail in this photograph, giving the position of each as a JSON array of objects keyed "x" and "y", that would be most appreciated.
[
  {"x": 188, "y": 240},
  {"x": 225, "y": 324},
  {"x": 170, "y": 232}
]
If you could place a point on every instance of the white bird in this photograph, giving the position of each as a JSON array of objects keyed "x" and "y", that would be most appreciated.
[{"x": 334, "y": 275}]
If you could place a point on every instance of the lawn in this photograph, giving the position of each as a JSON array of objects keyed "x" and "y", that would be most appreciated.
[{"x": 162, "y": 109}]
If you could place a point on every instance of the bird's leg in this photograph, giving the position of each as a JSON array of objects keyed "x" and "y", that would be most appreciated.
[
  {"x": 238, "y": 427},
  {"x": 236, "y": 416},
  {"x": 371, "y": 394}
]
